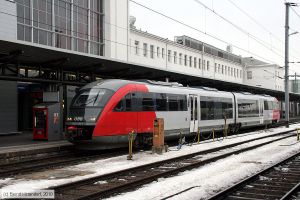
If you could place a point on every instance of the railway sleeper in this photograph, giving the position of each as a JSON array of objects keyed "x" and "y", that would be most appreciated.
[
  {"x": 233, "y": 197},
  {"x": 274, "y": 185},
  {"x": 257, "y": 195},
  {"x": 273, "y": 191}
]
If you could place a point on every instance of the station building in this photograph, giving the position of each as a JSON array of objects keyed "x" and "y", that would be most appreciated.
[
  {"x": 63, "y": 38},
  {"x": 262, "y": 74}
]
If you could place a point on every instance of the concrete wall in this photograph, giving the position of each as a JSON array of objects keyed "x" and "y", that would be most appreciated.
[
  {"x": 116, "y": 29},
  {"x": 8, "y": 20}
]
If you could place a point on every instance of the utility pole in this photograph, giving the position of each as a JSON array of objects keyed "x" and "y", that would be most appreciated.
[
  {"x": 295, "y": 86},
  {"x": 286, "y": 63}
]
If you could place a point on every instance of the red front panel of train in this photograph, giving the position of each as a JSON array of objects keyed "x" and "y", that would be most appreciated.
[
  {"x": 121, "y": 123},
  {"x": 276, "y": 115}
]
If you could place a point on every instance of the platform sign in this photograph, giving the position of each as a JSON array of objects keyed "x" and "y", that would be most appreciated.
[{"x": 55, "y": 118}]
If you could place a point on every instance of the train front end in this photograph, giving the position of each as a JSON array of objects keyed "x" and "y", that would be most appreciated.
[{"x": 85, "y": 110}]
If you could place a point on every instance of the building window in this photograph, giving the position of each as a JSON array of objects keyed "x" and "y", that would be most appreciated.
[
  {"x": 225, "y": 70},
  {"x": 169, "y": 55},
  {"x": 199, "y": 64},
  {"x": 234, "y": 72},
  {"x": 222, "y": 69},
  {"x": 137, "y": 47},
  {"x": 35, "y": 20},
  {"x": 219, "y": 68},
  {"x": 203, "y": 65},
  {"x": 175, "y": 57},
  {"x": 237, "y": 73},
  {"x": 185, "y": 60},
  {"x": 195, "y": 62},
  {"x": 249, "y": 74},
  {"x": 191, "y": 61},
  {"x": 207, "y": 66},
  {"x": 163, "y": 53},
  {"x": 157, "y": 52},
  {"x": 180, "y": 58},
  {"x": 151, "y": 51},
  {"x": 231, "y": 71},
  {"x": 145, "y": 49}
]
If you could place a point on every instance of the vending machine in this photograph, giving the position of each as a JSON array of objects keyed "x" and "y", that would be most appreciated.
[{"x": 46, "y": 121}]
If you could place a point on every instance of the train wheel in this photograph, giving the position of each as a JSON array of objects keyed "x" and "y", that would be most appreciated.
[{"x": 143, "y": 141}]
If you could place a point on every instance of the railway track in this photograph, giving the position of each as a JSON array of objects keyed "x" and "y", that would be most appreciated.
[
  {"x": 53, "y": 161},
  {"x": 44, "y": 161},
  {"x": 280, "y": 181},
  {"x": 128, "y": 179}
]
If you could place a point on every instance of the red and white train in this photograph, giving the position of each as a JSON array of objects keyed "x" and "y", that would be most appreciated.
[{"x": 103, "y": 113}]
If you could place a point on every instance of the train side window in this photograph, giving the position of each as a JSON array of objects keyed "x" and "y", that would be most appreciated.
[
  {"x": 215, "y": 108},
  {"x": 271, "y": 106},
  {"x": 173, "y": 102},
  {"x": 147, "y": 102},
  {"x": 266, "y": 105},
  {"x": 248, "y": 108},
  {"x": 161, "y": 102},
  {"x": 182, "y": 103}
]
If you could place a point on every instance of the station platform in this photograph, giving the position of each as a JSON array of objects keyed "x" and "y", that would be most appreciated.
[{"x": 22, "y": 145}]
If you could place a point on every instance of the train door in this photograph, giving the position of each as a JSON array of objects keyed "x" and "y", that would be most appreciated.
[
  {"x": 261, "y": 111},
  {"x": 193, "y": 104}
]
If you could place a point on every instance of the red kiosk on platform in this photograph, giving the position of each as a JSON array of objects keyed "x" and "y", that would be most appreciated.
[{"x": 46, "y": 121}]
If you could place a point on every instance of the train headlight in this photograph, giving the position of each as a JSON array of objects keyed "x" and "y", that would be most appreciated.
[
  {"x": 69, "y": 119},
  {"x": 93, "y": 119}
]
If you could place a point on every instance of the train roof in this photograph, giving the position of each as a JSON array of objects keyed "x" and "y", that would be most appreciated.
[{"x": 115, "y": 84}]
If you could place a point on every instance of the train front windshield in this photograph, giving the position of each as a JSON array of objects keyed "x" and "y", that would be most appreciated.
[
  {"x": 88, "y": 104},
  {"x": 89, "y": 98}
]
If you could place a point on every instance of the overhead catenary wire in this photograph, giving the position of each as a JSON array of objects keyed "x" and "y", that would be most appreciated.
[
  {"x": 200, "y": 31},
  {"x": 258, "y": 40},
  {"x": 259, "y": 24},
  {"x": 241, "y": 29}
]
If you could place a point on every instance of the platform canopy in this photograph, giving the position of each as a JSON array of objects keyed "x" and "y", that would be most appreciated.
[{"x": 29, "y": 62}]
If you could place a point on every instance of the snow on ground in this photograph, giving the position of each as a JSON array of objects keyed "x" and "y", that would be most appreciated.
[
  {"x": 203, "y": 182},
  {"x": 205, "y": 179}
]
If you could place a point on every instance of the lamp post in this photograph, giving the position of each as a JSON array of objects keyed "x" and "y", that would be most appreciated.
[{"x": 287, "y": 100}]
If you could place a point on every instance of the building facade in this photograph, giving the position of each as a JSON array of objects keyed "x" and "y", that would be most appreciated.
[
  {"x": 262, "y": 74},
  {"x": 295, "y": 86},
  {"x": 102, "y": 28},
  {"x": 86, "y": 26},
  {"x": 184, "y": 55}
]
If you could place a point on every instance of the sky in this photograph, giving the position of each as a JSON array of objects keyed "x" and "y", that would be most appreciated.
[{"x": 253, "y": 28}]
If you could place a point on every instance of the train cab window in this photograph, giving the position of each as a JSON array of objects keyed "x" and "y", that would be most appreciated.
[
  {"x": 124, "y": 104},
  {"x": 93, "y": 97}
]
